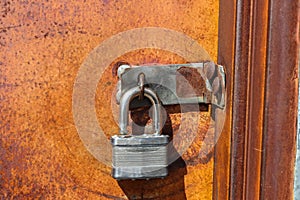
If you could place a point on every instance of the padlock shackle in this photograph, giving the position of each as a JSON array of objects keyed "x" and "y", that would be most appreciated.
[{"x": 124, "y": 108}]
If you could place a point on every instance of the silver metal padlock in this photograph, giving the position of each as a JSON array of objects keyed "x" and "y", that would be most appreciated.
[{"x": 139, "y": 156}]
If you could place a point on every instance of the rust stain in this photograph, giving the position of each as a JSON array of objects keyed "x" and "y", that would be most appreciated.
[
  {"x": 193, "y": 78},
  {"x": 42, "y": 47}
]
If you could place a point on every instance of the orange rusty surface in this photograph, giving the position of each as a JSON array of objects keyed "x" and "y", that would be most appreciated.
[{"x": 42, "y": 47}]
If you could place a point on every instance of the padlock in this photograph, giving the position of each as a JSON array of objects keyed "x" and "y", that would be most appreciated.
[{"x": 142, "y": 156}]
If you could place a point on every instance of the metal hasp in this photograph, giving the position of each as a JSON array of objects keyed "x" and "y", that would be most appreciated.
[
  {"x": 164, "y": 80},
  {"x": 145, "y": 156}
]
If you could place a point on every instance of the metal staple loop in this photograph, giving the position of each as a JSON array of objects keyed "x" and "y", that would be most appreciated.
[{"x": 141, "y": 84}]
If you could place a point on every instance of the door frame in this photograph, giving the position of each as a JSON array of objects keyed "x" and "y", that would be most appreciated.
[{"x": 258, "y": 45}]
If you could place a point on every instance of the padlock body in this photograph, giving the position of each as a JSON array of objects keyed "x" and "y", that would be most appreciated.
[{"x": 139, "y": 156}]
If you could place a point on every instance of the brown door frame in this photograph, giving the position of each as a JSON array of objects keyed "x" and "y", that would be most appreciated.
[{"x": 258, "y": 45}]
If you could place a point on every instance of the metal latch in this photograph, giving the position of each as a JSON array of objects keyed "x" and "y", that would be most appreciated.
[
  {"x": 172, "y": 83},
  {"x": 144, "y": 156}
]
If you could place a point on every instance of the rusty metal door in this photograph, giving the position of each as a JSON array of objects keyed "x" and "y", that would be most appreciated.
[{"x": 44, "y": 43}]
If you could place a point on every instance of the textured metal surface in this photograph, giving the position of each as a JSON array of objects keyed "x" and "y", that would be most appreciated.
[
  {"x": 240, "y": 99},
  {"x": 140, "y": 157},
  {"x": 226, "y": 55},
  {"x": 43, "y": 43},
  {"x": 264, "y": 99},
  {"x": 145, "y": 139},
  {"x": 248, "y": 98},
  {"x": 141, "y": 172},
  {"x": 279, "y": 142},
  {"x": 297, "y": 163}
]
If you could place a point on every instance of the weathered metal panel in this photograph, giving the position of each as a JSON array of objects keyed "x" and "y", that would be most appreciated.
[
  {"x": 264, "y": 101},
  {"x": 297, "y": 162},
  {"x": 43, "y": 44},
  {"x": 226, "y": 53},
  {"x": 279, "y": 142}
]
